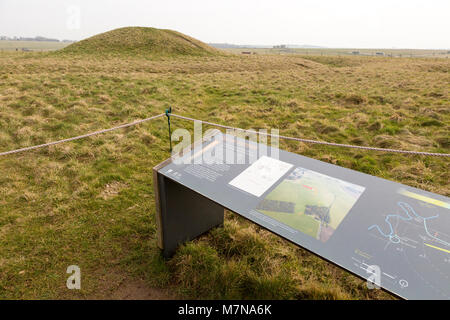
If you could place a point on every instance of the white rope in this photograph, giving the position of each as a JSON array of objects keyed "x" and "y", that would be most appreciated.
[
  {"x": 318, "y": 142},
  {"x": 232, "y": 128},
  {"x": 80, "y": 137}
]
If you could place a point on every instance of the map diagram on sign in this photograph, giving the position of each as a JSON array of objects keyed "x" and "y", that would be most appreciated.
[
  {"x": 416, "y": 231},
  {"x": 311, "y": 202}
]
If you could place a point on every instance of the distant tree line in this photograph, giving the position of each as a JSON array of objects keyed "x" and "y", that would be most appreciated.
[{"x": 38, "y": 38}]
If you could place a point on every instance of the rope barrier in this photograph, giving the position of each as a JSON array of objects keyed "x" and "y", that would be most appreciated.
[
  {"x": 81, "y": 137},
  {"x": 318, "y": 142},
  {"x": 168, "y": 114}
]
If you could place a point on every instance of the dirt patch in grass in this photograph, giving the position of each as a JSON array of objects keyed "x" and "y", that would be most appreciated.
[
  {"x": 138, "y": 290},
  {"x": 115, "y": 284},
  {"x": 132, "y": 289}
]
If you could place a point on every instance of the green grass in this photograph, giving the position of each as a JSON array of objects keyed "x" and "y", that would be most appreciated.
[
  {"x": 91, "y": 202},
  {"x": 298, "y": 221}
]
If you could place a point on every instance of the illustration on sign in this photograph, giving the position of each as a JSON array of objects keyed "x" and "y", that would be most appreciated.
[
  {"x": 311, "y": 202},
  {"x": 261, "y": 175}
]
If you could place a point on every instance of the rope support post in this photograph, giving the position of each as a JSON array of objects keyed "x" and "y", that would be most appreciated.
[{"x": 168, "y": 114}]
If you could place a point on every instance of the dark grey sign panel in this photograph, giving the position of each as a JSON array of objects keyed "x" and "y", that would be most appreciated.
[{"x": 351, "y": 219}]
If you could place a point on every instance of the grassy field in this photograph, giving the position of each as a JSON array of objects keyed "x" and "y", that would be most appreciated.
[
  {"x": 397, "y": 53},
  {"x": 313, "y": 190},
  {"x": 298, "y": 221},
  {"x": 90, "y": 203}
]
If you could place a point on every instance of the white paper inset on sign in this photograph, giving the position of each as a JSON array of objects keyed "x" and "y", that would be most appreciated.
[{"x": 261, "y": 175}]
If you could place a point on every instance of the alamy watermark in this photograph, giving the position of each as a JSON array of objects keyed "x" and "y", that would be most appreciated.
[
  {"x": 374, "y": 279},
  {"x": 222, "y": 147},
  {"x": 74, "y": 281},
  {"x": 73, "y": 21}
]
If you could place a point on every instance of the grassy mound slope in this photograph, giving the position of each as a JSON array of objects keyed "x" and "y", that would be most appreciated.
[{"x": 142, "y": 41}]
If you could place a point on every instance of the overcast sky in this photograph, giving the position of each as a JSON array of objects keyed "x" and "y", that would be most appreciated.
[{"x": 332, "y": 23}]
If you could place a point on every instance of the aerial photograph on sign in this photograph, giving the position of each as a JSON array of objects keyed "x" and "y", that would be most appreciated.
[{"x": 311, "y": 202}]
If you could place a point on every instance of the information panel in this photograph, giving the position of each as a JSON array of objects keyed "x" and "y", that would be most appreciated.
[{"x": 396, "y": 235}]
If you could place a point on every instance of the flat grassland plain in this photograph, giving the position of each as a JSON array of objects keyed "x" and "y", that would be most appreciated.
[
  {"x": 12, "y": 45},
  {"x": 90, "y": 203},
  {"x": 399, "y": 53}
]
